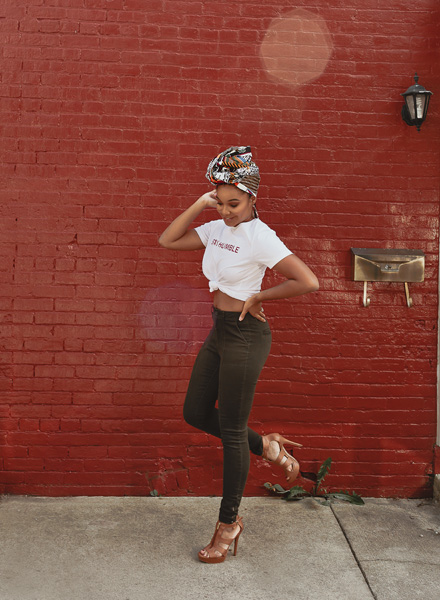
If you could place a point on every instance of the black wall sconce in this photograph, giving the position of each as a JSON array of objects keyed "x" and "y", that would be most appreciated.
[{"x": 415, "y": 109}]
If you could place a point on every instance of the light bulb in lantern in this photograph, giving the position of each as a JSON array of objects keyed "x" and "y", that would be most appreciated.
[{"x": 419, "y": 106}]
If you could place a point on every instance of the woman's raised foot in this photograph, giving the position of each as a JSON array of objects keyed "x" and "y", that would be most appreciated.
[{"x": 274, "y": 451}]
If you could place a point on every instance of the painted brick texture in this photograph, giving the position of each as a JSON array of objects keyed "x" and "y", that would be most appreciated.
[{"x": 110, "y": 112}]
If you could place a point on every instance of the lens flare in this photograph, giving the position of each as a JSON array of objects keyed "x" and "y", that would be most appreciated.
[{"x": 296, "y": 47}]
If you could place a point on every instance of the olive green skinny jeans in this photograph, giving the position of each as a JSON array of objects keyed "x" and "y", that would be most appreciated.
[{"x": 226, "y": 371}]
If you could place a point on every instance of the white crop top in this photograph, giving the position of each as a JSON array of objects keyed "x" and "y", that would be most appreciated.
[{"x": 236, "y": 258}]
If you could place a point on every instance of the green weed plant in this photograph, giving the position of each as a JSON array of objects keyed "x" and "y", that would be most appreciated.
[{"x": 320, "y": 494}]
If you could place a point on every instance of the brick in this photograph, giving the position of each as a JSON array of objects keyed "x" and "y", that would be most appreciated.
[
  {"x": 73, "y": 345},
  {"x": 72, "y": 385},
  {"x": 57, "y": 452},
  {"x": 49, "y": 425},
  {"x": 33, "y": 384},
  {"x": 92, "y": 452},
  {"x": 54, "y": 371},
  {"x": 70, "y": 425},
  {"x": 54, "y": 317},
  {"x": 110, "y": 385}
]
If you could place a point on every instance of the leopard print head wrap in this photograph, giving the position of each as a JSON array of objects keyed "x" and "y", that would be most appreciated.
[{"x": 235, "y": 166}]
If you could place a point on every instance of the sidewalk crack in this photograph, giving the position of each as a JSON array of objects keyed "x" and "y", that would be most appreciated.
[
  {"x": 401, "y": 562},
  {"x": 354, "y": 554}
]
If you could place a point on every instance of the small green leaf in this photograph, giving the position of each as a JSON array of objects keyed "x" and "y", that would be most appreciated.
[
  {"x": 276, "y": 489},
  {"x": 297, "y": 489},
  {"x": 154, "y": 493},
  {"x": 279, "y": 489},
  {"x": 296, "y": 493},
  {"x": 353, "y": 498},
  {"x": 356, "y": 499},
  {"x": 323, "y": 470}
]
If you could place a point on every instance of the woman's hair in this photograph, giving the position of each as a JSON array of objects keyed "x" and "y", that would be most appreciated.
[{"x": 234, "y": 166}]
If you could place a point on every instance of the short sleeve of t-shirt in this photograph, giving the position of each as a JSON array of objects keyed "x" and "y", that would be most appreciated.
[
  {"x": 204, "y": 232},
  {"x": 268, "y": 248}
]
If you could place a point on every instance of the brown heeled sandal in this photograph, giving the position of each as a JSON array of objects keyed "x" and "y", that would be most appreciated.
[
  {"x": 218, "y": 539},
  {"x": 288, "y": 463}
]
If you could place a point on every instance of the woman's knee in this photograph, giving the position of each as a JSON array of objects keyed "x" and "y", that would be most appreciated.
[{"x": 235, "y": 437}]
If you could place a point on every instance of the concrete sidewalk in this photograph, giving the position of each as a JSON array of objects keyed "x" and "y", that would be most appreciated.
[{"x": 146, "y": 548}]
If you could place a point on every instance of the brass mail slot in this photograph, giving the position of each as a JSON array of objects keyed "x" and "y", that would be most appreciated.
[{"x": 379, "y": 264}]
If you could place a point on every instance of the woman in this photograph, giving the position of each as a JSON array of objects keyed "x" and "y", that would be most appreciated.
[{"x": 238, "y": 249}]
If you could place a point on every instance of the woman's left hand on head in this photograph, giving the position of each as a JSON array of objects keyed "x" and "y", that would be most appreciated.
[{"x": 254, "y": 307}]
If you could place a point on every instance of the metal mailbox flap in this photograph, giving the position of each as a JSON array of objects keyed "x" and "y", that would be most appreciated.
[{"x": 380, "y": 264}]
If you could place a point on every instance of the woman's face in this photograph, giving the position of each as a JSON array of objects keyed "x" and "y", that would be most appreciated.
[{"x": 234, "y": 205}]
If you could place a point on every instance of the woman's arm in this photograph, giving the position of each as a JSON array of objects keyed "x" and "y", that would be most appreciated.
[
  {"x": 177, "y": 236},
  {"x": 299, "y": 280}
]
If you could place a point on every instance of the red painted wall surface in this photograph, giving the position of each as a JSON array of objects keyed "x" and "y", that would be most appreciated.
[{"x": 111, "y": 110}]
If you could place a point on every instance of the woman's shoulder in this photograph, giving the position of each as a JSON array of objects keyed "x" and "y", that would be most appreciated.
[
  {"x": 262, "y": 229},
  {"x": 214, "y": 225},
  {"x": 261, "y": 225}
]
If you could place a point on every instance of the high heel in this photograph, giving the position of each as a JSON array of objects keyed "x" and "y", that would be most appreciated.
[
  {"x": 218, "y": 539},
  {"x": 288, "y": 463}
]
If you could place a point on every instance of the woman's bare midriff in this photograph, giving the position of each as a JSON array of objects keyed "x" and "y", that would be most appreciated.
[{"x": 224, "y": 302}]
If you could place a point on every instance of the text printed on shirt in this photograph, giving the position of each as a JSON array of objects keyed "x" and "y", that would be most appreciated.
[{"x": 224, "y": 246}]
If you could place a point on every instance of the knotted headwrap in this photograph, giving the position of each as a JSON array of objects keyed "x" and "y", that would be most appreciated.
[{"x": 235, "y": 166}]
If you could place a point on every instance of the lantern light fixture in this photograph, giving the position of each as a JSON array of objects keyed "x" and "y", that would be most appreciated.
[{"x": 415, "y": 109}]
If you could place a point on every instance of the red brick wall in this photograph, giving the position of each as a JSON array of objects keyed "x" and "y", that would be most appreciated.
[{"x": 111, "y": 110}]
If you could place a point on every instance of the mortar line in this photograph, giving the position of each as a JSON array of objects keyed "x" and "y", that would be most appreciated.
[{"x": 354, "y": 554}]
